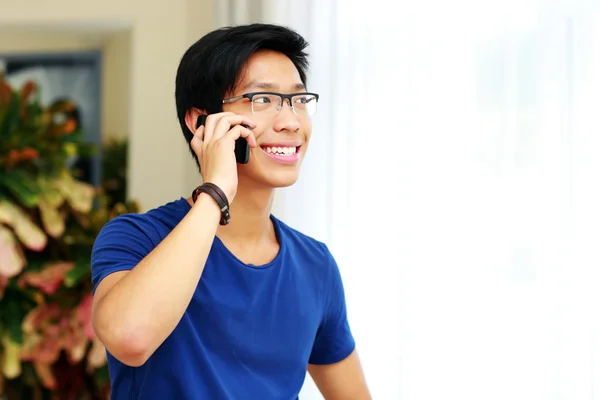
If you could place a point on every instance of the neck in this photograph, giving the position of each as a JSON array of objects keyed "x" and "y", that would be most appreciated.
[{"x": 250, "y": 214}]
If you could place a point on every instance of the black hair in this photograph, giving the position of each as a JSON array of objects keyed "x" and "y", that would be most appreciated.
[{"x": 211, "y": 67}]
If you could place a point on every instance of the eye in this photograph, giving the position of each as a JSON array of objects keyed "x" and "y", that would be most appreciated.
[
  {"x": 261, "y": 100},
  {"x": 303, "y": 100}
]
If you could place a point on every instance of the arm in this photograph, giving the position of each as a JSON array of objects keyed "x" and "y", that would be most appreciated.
[
  {"x": 343, "y": 380},
  {"x": 334, "y": 364},
  {"x": 134, "y": 311}
]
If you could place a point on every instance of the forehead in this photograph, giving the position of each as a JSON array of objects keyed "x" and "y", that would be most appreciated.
[{"x": 269, "y": 69}]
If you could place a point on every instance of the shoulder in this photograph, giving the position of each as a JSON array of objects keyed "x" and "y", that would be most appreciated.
[
  {"x": 149, "y": 227},
  {"x": 125, "y": 240},
  {"x": 301, "y": 241},
  {"x": 313, "y": 252}
]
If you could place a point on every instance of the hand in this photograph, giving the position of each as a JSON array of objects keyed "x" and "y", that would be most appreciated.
[{"x": 214, "y": 145}]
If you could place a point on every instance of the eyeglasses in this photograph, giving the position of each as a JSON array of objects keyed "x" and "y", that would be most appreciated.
[{"x": 271, "y": 102}]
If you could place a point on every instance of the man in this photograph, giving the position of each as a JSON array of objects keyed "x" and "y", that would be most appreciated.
[{"x": 211, "y": 297}]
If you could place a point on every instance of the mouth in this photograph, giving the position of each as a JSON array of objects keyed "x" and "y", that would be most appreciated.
[{"x": 282, "y": 153}]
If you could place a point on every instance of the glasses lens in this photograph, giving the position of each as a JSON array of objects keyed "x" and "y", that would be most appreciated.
[
  {"x": 264, "y": 102},
  {"x": 305, "y": 104}
]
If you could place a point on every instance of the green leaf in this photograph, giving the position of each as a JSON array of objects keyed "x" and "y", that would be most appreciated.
[
  {"x": 75, "y": 275},
  {"x": 87, "y": 150},
  {"x": 76, "y": 137},
  {"x": 23, "y": 185},
  {"x": 15, "y": 333},
  {"x": 29, "y": 375},
  {"x": 14, "y": 306},
  {"x": 35, "y": 264},
  {"x": 13, "y": 316},
  {"x": 10, "y": 119},
  {"x": 102, "y": 376}
]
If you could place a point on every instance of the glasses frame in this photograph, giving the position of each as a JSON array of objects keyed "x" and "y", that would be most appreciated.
[{"x": 251, "y": 95}]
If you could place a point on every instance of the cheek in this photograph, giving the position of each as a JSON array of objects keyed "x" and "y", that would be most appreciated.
[
  {"x": 257, "y": 134},
  {"x": 307, "y": 129},
  {"x": 307, "y": 141}
]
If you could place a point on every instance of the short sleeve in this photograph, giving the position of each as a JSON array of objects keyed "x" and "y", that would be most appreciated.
[
  {"x": 120, "y": 246},
  {"x": 334, "y": 341}
]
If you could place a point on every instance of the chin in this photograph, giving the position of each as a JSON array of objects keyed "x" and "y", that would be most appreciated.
[
  {"x": 266, "y": 173},
  {"x": 281, "y": 180},
  {"x": 272, "y": 179}
]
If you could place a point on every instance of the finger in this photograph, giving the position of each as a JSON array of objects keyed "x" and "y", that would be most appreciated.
[
  {"x": 196, "y": 141},
  {"x": 226, "y": 123},
  {"x": 240, "y": 132},
  {"x": 199, "y": 134},
  {"x": 211, "y": 123}
]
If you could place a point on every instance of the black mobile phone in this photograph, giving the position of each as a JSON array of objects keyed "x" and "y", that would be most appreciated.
[{"x": 242, "y": 149}]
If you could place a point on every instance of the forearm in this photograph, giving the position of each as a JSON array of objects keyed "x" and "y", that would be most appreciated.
[
  {"x": 343, "y": 380},
  {"x": 142, "y": 309}
]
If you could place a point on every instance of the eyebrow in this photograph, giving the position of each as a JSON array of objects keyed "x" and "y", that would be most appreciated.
[{"x": 271, "y": 86}]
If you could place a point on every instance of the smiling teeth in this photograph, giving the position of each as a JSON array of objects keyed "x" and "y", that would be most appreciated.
[{"x": 282, "y": 151}]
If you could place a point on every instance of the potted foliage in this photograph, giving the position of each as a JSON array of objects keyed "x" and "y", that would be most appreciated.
[{"x": 48, "y": 222}]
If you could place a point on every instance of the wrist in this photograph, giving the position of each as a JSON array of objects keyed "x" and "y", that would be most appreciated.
[
  {"x": 207, "y": 206},
  {"x": 229, "y": 194},
  {"x": 218, "y": 196}
]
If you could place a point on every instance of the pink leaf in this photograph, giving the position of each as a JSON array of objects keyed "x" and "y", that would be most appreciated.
[
  {"x": 84, "y": 314},
  {"x": 41, "y": 334},
  {"x": 3, "y": 284},
  {"x": 75, "y": 341},
  {"x": 44, "y": 372},
  {"x": 50, "y": 278},
  {"x": 40, "y": 315}
]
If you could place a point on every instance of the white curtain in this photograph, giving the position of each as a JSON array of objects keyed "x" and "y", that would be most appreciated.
[{"x": 454, "y": 170}]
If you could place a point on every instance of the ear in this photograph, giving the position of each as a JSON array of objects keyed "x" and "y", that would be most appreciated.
[{"x": 191, "y": 116}]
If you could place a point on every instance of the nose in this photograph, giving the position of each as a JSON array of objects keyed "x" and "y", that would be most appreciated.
[{"x": 286, "y": 119}]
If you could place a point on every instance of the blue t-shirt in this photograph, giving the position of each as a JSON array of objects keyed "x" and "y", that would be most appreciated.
[{"x": 249, "y": 331}]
